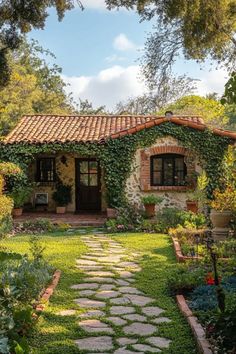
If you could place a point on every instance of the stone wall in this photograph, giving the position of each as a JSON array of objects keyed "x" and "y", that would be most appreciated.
[
  {"x": 138, "y": 184},
  {"x": 67, "y": 175}
]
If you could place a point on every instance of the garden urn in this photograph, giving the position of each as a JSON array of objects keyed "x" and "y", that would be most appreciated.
[{"x": 220, "y": 223}]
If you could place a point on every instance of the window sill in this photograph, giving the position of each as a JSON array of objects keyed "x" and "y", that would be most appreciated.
[{"x": 169, "y": 188}]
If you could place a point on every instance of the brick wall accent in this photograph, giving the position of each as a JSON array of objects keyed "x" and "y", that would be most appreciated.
[{"x": 145, "y": 177}]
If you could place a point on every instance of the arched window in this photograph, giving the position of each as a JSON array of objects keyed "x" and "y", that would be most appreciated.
[{"x": 168, "y": 170}]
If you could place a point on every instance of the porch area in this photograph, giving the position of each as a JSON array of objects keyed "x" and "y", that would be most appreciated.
[{"x": 74, "y": 220}]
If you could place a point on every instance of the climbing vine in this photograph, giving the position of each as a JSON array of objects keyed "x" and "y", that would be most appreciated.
[{"x": 116, "y": 155}]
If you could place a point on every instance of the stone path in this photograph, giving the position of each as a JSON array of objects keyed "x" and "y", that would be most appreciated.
[{"x": 117, "y": 317}]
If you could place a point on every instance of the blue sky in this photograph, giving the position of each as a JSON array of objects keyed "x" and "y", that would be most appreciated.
[{"x": 98, "y": 51}]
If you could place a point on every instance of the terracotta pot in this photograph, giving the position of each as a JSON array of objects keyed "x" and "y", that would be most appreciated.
[
  {"x": 220, "y": 219},
  {"x": 111, "y": 213},
  {"x": 192, "y": 206},
  {"x": 17, "y": 211},
  {"x": 150, "y": 210},
  {"x": 61, "y": 210}
]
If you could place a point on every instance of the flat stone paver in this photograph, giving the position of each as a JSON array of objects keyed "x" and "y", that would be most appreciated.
[
  {"x": 100, "y": 280},
  {"x": 92, "y": 313},
  {"x": 95, "y": 326},
  {"x": 117, "y": 321},
  {"x": 139, "y": 300},
  {"x": 121, "y": 310},
  {"x": 125, "y": 341},
  {"x": 97, "y": 344},
  {"x": 120, "y": 301},
  {"x": 107, "y": 287},
  {"x": 100, "y": 274},
  {"x": 140, "y": 329},
  {"x": 159, "y": 342},
  {"x": 129, "y": 290},
  {"x": 87, "y": 292},
  {"x": 152, "y": 311},
  {"x": 87, "y": 303},
  {"x": 85, "y": 286},
  {"x": 125, "y": 351},
  {"x": 145, "y": 348},
  {"x": 106, "y": 294}
]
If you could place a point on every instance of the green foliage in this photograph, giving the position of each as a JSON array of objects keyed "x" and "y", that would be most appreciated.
[
  {"x": 18, "y": 18},
  {"x": 35, "y": 226},
  {"x": 229, "y": 96},
  {"x": 117, "y": 155},
  {"x": 62, "y": 195},
  {"x": 200, "y": 193},
  {"x": 20, "y": 195},
  {"x": 185, "y": 278},
  {"x": 151, "y": 199},
  {"x": 34, "y": 87},
  {"x": 172, "y": 217},
  {"x": 211, "y": 110}
]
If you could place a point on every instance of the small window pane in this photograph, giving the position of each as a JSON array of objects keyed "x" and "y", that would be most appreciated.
[
  {"x": 84, "y": 180},
  {"x": 84, "y": 167},
  {"x": 157, "y": 164},
  {"x": 157, "y": 178},
  {"x": 93, "y": 180},
  {"x": 168, "y": 172},
  {"x": 46, "y": 170},
  {"x": 93, "y": 165}
]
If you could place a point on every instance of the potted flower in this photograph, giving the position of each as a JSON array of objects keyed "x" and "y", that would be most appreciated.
[
  {"x": 149, "y": 202},
  {"x": 62, "y": 197},
  {"x": 19, "y": 195},
  {"x": 223, "y": 205}
]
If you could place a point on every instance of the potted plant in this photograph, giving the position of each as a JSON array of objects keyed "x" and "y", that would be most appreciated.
[
  {"x": 149, "y": 202},
  {"x": 62, "y": 197},
  {"x": 198, "y": 198},
  {"x": 19, "y": 195}
]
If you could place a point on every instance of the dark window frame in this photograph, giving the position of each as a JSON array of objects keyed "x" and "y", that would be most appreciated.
[
  {"x": 38, "y": 170},
  {"x": 163, "y": 158}
]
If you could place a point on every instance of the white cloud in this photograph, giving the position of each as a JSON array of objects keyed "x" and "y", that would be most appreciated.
[
  {"x": 93, "y": 4},
  {"x": 212, "y": 81},
  {"x": 113, "y": 58},
  {"x": 122, "y": 43},
  {"x": 108, "y": 87}
]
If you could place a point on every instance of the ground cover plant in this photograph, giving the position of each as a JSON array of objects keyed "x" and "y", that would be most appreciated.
[
  {"x": 56, "y": 334},
  {"x": 22, "y": 279}
]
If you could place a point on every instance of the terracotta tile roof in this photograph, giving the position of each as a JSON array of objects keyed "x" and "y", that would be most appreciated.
[{"x": 38, "y": 129}]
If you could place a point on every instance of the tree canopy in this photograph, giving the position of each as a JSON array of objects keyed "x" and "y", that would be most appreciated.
[
  {"x": 18, "y": 17},
  {"x": 33, "y": 87},
  {"x": 211, "y": 110}
]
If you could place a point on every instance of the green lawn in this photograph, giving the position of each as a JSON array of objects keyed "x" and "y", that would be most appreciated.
[{"x": 55, "y": 334}]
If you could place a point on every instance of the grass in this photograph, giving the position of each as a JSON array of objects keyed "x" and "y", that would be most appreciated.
[{"x": 56, "y": 334}]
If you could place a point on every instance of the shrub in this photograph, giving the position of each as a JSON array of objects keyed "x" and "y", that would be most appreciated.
[
  {"x": 185, "y": 278},
  {"x": 172, "y": 217},
  {"x": 35, "y": 226},
  {"x": 20, "y": 195},
  {"x": 151, "y": 199},
  {"x": 6, "y": 205},
  {"x": 128, "y": 218}
]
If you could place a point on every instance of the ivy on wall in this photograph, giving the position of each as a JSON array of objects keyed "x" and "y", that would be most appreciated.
[{"x": 116, "y": 155}]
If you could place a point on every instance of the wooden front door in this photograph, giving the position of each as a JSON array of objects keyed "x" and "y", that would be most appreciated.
[{"x": 88, "y": 185}]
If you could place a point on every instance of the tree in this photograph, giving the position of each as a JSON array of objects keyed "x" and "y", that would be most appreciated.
[
  {"x": 18, "y": 17},
  {"x": 158, "y": 98},
  {"x": 197, "y": 29},
  {"x": 33, "y": 87},
  {"x": 86, "y": 108},
  {"x": 211, "y": 110}
]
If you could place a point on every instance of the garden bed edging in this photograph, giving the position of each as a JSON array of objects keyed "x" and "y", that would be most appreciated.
[
  {"x": 197, "y": 329},
  {"x": 48, "y": 292}
]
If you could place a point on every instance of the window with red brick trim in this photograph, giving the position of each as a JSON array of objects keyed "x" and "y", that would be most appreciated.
[{"x": 168, "y": 170}]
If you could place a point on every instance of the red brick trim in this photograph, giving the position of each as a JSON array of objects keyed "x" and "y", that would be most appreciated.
[
  {"x": 145, "y": 167},
  {"x": 196, "y": 327},
  {"x": 48, "y": 292}
]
